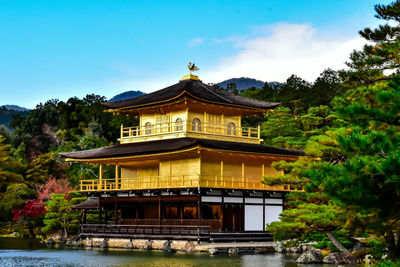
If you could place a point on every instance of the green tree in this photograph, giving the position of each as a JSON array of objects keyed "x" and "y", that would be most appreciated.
[
  {"x": 359, "y": 164},
  {"x": 8, "y": 168},
  {"x": 44, "y": 166},
  {"x": 291, "y": 94},
  {"x": 59, "y": 215},
  {"x": 13, "y": 198},
  {"x": 380, "y": 57},
  {"x": 231, "y": 88},
  {"x": 266, "y": 93},
  {"x": 283, "y": 129},
  {"x": 325, "y": 88},
  {"x": 367, "y": 180}
]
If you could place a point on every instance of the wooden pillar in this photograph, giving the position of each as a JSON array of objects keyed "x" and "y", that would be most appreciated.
[
  {"x": 240, "y": 125},
  {"x": 223, "y": 124},
  {"x": 243, "y": 174},
  {"x": 199, "y": 211},
  {"x": 159, "y": 210},
  {"x": 205, "y": 122},
  {"x": 101, "y": 176},
  {"x": 115, "y": 210},
  {"x": 264, "y": 226},
  {"x": 222, "y": 172},
  {"x": 116, "y": 176},
  {"x": 187, "y": 122},
  {"x": 84, "y": 216},
  {"x": 181, "y": 211},
  {"x": 122, "y": 131},
  {"x": 100, "y": 214},
  {"x": 258, "y": 131}
]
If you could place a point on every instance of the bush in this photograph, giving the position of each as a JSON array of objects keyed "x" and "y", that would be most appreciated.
[
  {"x": 377, "y": 248},
  {"x": 388, "y": 263},
  {"x": 323, "y": 241}
]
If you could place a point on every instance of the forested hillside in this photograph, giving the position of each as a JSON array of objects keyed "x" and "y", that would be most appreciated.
[{"x": 7, "y": 113}]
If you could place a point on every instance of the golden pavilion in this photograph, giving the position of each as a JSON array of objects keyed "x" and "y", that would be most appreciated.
[{"x": 189, "y": 170}]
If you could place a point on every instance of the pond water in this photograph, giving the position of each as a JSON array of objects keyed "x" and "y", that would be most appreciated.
[{"x": 28, "y": 252}]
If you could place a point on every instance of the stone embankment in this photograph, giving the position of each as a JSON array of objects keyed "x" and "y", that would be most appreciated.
[
  {"x": 308, "y": 253},
  {"x": 311, "y": 255},
  {"x": 165, "y": 245}
]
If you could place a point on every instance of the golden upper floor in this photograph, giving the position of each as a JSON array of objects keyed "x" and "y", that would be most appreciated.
[
  {"x": 187, "y": 123},
  {"x": 190, "y": 108}
]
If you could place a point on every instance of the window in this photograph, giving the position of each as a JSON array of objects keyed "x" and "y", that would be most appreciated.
[
  {"x": 212, "y": 212},
  {"x": 128, "y": 213},
  {"x": 171, "y": 212},
  {"x": 231, "y": 128},
  {"x": 162, "y": 123},
  {"x": 190, "y": 212},
  {"x": 196, "y": 125},
  {"x": 148, "y": 212},
  {"x": 147, "y": 128},
  {"x": 179, "y": 124}
]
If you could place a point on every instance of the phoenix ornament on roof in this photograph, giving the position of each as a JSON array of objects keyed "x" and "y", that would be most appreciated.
[{"x": 192, "y": 67}]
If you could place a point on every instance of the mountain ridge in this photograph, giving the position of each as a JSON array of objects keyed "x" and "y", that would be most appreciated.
[{"x": 244, "y": 83}]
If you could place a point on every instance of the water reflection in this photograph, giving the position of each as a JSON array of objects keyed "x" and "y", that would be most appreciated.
[{"x": 32, "y": 253}]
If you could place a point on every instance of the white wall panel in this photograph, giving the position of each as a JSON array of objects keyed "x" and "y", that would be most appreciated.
[
  {"x": 272, "y": 213},
  {"x": 253, "y": 218}
]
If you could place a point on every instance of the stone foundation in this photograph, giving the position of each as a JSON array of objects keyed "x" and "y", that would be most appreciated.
[{"x": 168, "y": 245}]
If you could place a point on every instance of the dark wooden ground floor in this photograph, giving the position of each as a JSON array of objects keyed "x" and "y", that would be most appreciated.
[{"x": 211, "y": 214}]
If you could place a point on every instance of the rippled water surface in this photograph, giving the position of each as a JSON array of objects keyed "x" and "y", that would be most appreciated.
[{"x": 24, "y": 252}]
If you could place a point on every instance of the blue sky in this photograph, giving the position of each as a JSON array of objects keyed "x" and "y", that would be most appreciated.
[{"x": 58, "y": 49}]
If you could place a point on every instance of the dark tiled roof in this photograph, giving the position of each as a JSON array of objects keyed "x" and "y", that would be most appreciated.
[
  {"x": 151, "y": 147},
  {"x": 195, "y": 88},
  {"x": 90, "y": 203}
]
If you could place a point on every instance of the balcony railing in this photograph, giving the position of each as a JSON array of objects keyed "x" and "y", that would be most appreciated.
[
  {"x": 188, "y": 126},
  {"x": 183, "y": 181}
]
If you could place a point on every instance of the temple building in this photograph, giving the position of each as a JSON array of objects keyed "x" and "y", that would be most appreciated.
[{"x": 190, "y": 169}]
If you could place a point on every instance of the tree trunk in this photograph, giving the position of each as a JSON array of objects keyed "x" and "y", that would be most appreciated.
[
  {"x": 31, "y": 232},
  {"x": 394, "y": 250},
  {"x": 336, "y": 242}
]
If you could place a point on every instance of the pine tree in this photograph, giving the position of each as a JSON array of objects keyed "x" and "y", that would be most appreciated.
[
  {"x": 380, "y": 57},
  {"x": 357, "y": 166},
  {"x": 59, "y": 215}
]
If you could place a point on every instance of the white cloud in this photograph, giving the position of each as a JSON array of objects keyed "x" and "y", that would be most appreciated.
[
  {"x": 196, "y": 41},
  {"x": 274, "y": 52}
]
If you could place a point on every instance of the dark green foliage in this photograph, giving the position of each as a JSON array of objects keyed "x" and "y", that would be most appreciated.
[
  {"x": 359, "y": 164},
  {"x": 266, "y": 93},
  {"x": 324, "y": 89},
  {"x": 44, "y": 166},
  {"x": 8, "y": 168},
  {"x": 388, "y": 263},
  {"x": 59, "y": 214},
  {"x": 285, "y": 130},
  {"x": 292, "y": 94},
  {"x": 14, "y": 197},
  {"x": 323, "y": 241},
  {"x": 57, "y": 122},
  {"x": 377, "y": 248},
  {"x": 231, "y": 88},
  {"x": 381, "y": 53},
  {"x": 299, "y": 95}
]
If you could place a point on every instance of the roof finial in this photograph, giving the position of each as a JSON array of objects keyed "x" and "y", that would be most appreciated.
[{"x": 191, "y": 67}]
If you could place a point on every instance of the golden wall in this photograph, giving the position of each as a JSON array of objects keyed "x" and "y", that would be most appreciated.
[{"x": 236, "y": 165}]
